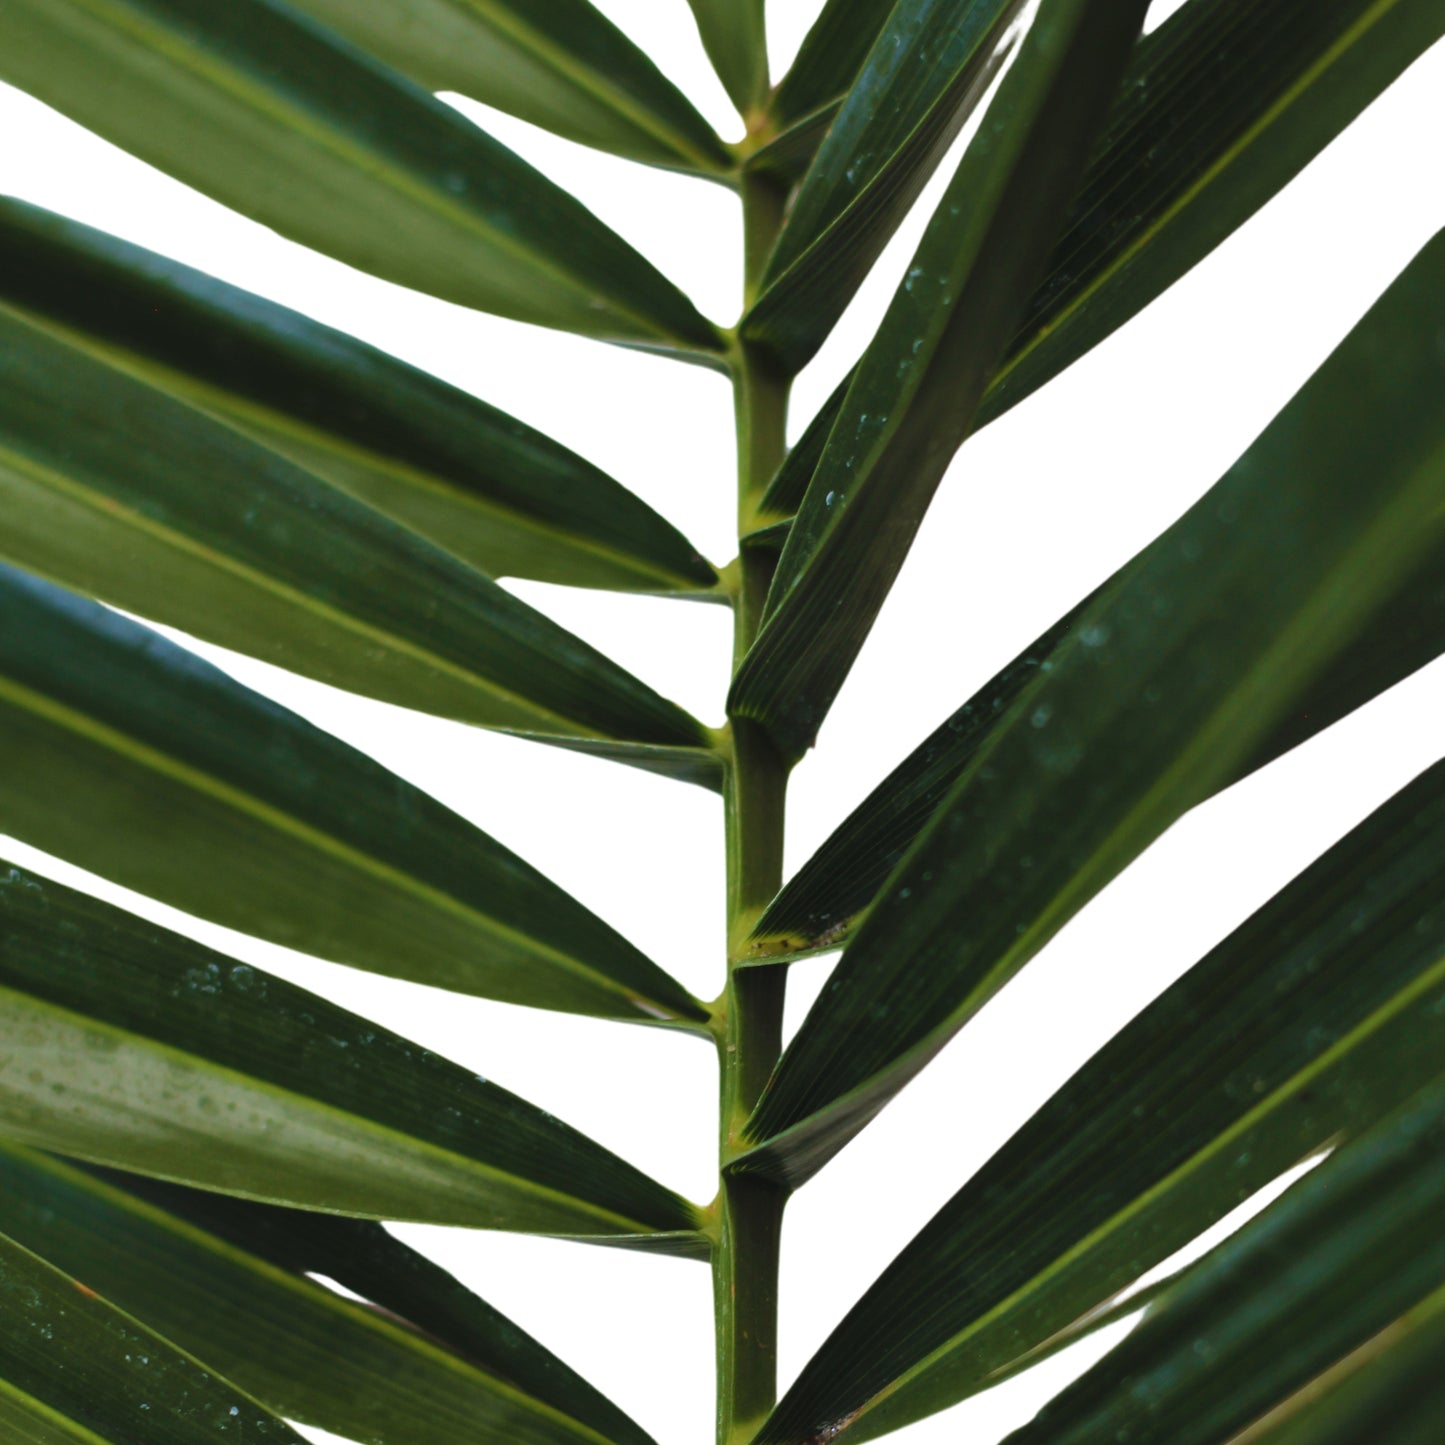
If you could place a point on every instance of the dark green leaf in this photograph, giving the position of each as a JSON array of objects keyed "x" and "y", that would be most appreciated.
[
  {"x": 829, "y": 58},
  {"x": 1325, "y": 1268},
  {"x": 686, "y": 764},
  {"x": 823, "y": 902},
  {"x": 785, "y": 493},
  {"x": 1221, "y": 106},
  {"x": 134, "y": 759},
  {"x": 788, "y": 154},
  {"x": 931, "y": 64},
  {"x": 557, "y": 63},
  {"x": 820, "y": 905},
  {"x": 1163, "y": 691},
  {"x": 1311, "y": 1021},
  {"x": 116, "y": 489},
  {"x": 734, "y": 35},
  {"x": 909, "y": 405},
  {"x": 466, "y": 476},
  {"x": 74, "y": 1370},
  {"x": 226, "y": 1280},
  {"x": 129, "y": 1045},
  {"x": 278, "y": 117},
  {"x": 767, "y": 540},
  {"x": 1390, "y": 1391}
]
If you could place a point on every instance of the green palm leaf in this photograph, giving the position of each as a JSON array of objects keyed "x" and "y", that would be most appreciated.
[
  {"x": 76, "y": 1371},
  {"x": 829, "y": 59},
  {"x": 216, "y": 1152},
  {"x": 909, "y": 404},
  {"x": 557, "y": 63},
  {"x": 824, "y": 901},
  {"x": 1168, "y": 686},
  {"x": 469, "y": 478},
  {"x": 269, "y": 113},
  {"x": 1311, "y": 1021},
  {"x": 1221, "y": 106},
  {"x": 1322, "y": 1271},
  {"x": 1224, "y": 104},
  {"x": 422, "y": 1360},
  {"x": 118, "y": 490},
  {"x": 732, "y": 33},
  {"x": 132, "y": 1046},
  {"x": 134, "y": 759},
  {"x": 930, "y": 65}
]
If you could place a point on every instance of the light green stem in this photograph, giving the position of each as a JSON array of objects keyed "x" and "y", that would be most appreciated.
[{"x": 750, "y": 1212}]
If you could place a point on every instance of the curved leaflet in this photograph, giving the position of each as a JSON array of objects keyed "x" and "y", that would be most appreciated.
[
  {"x": 466, "y": 476},
  {"x": 1159, "y": 696},
  {"x": 134, "y": 759},
  {"x": 557, "y": 63},
  {"x": 278, "y": 117},
  {"x": 1220, "y": 107},
  {"x": 821, "y": 905},
  {"x": 1319, "y": 1274},
  {"x": 132, "y": 1046},
  {"x": 416, "y": 1359},
  {"x": 119, "y": 490},
  {"x": 931, "y": 64},
  {"x": 1311, "y": 1021},
  {"x": 909, "y": 404}
]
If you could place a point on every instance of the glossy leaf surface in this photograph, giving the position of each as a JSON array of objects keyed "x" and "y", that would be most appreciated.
[
  {"x": 787, "y": 156},
  {"x": 116, "y": 489},
  {"x": 468, "y": 477},
  {"x": 557, "y": 63},
  {"x": 910, "y": 403},
  {"x": 134, "y": 759},
  {"x": 734, "y": 35},
  {"x": 1325, "y": 1268},
  {"x": 1389, "y": 1391},
  {"x": 74, "y": 1370},
  {"x": 1221, "y": 106},
  {"x": 832, "y": 53},
  {"x": 282, "y": 120},
  {"x": 789, "y": 485},
  {"x": 822, "y": 904},
  {"x": 132, "y": 1046},
  {"x": 1311, "y": 1021},
  {"x": 929, "y": 67},
  {"x": 1167, "y": 687},
  {"x": 228, "y": 1281}
]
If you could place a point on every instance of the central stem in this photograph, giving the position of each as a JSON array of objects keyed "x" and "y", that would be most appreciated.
[{"x": 745, "y": 1255}]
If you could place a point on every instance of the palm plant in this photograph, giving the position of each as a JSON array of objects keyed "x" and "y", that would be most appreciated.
[{"x": 197, "y": 1155}]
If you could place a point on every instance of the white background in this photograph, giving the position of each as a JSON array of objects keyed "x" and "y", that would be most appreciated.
[{"x": 1035, "y": 511}]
